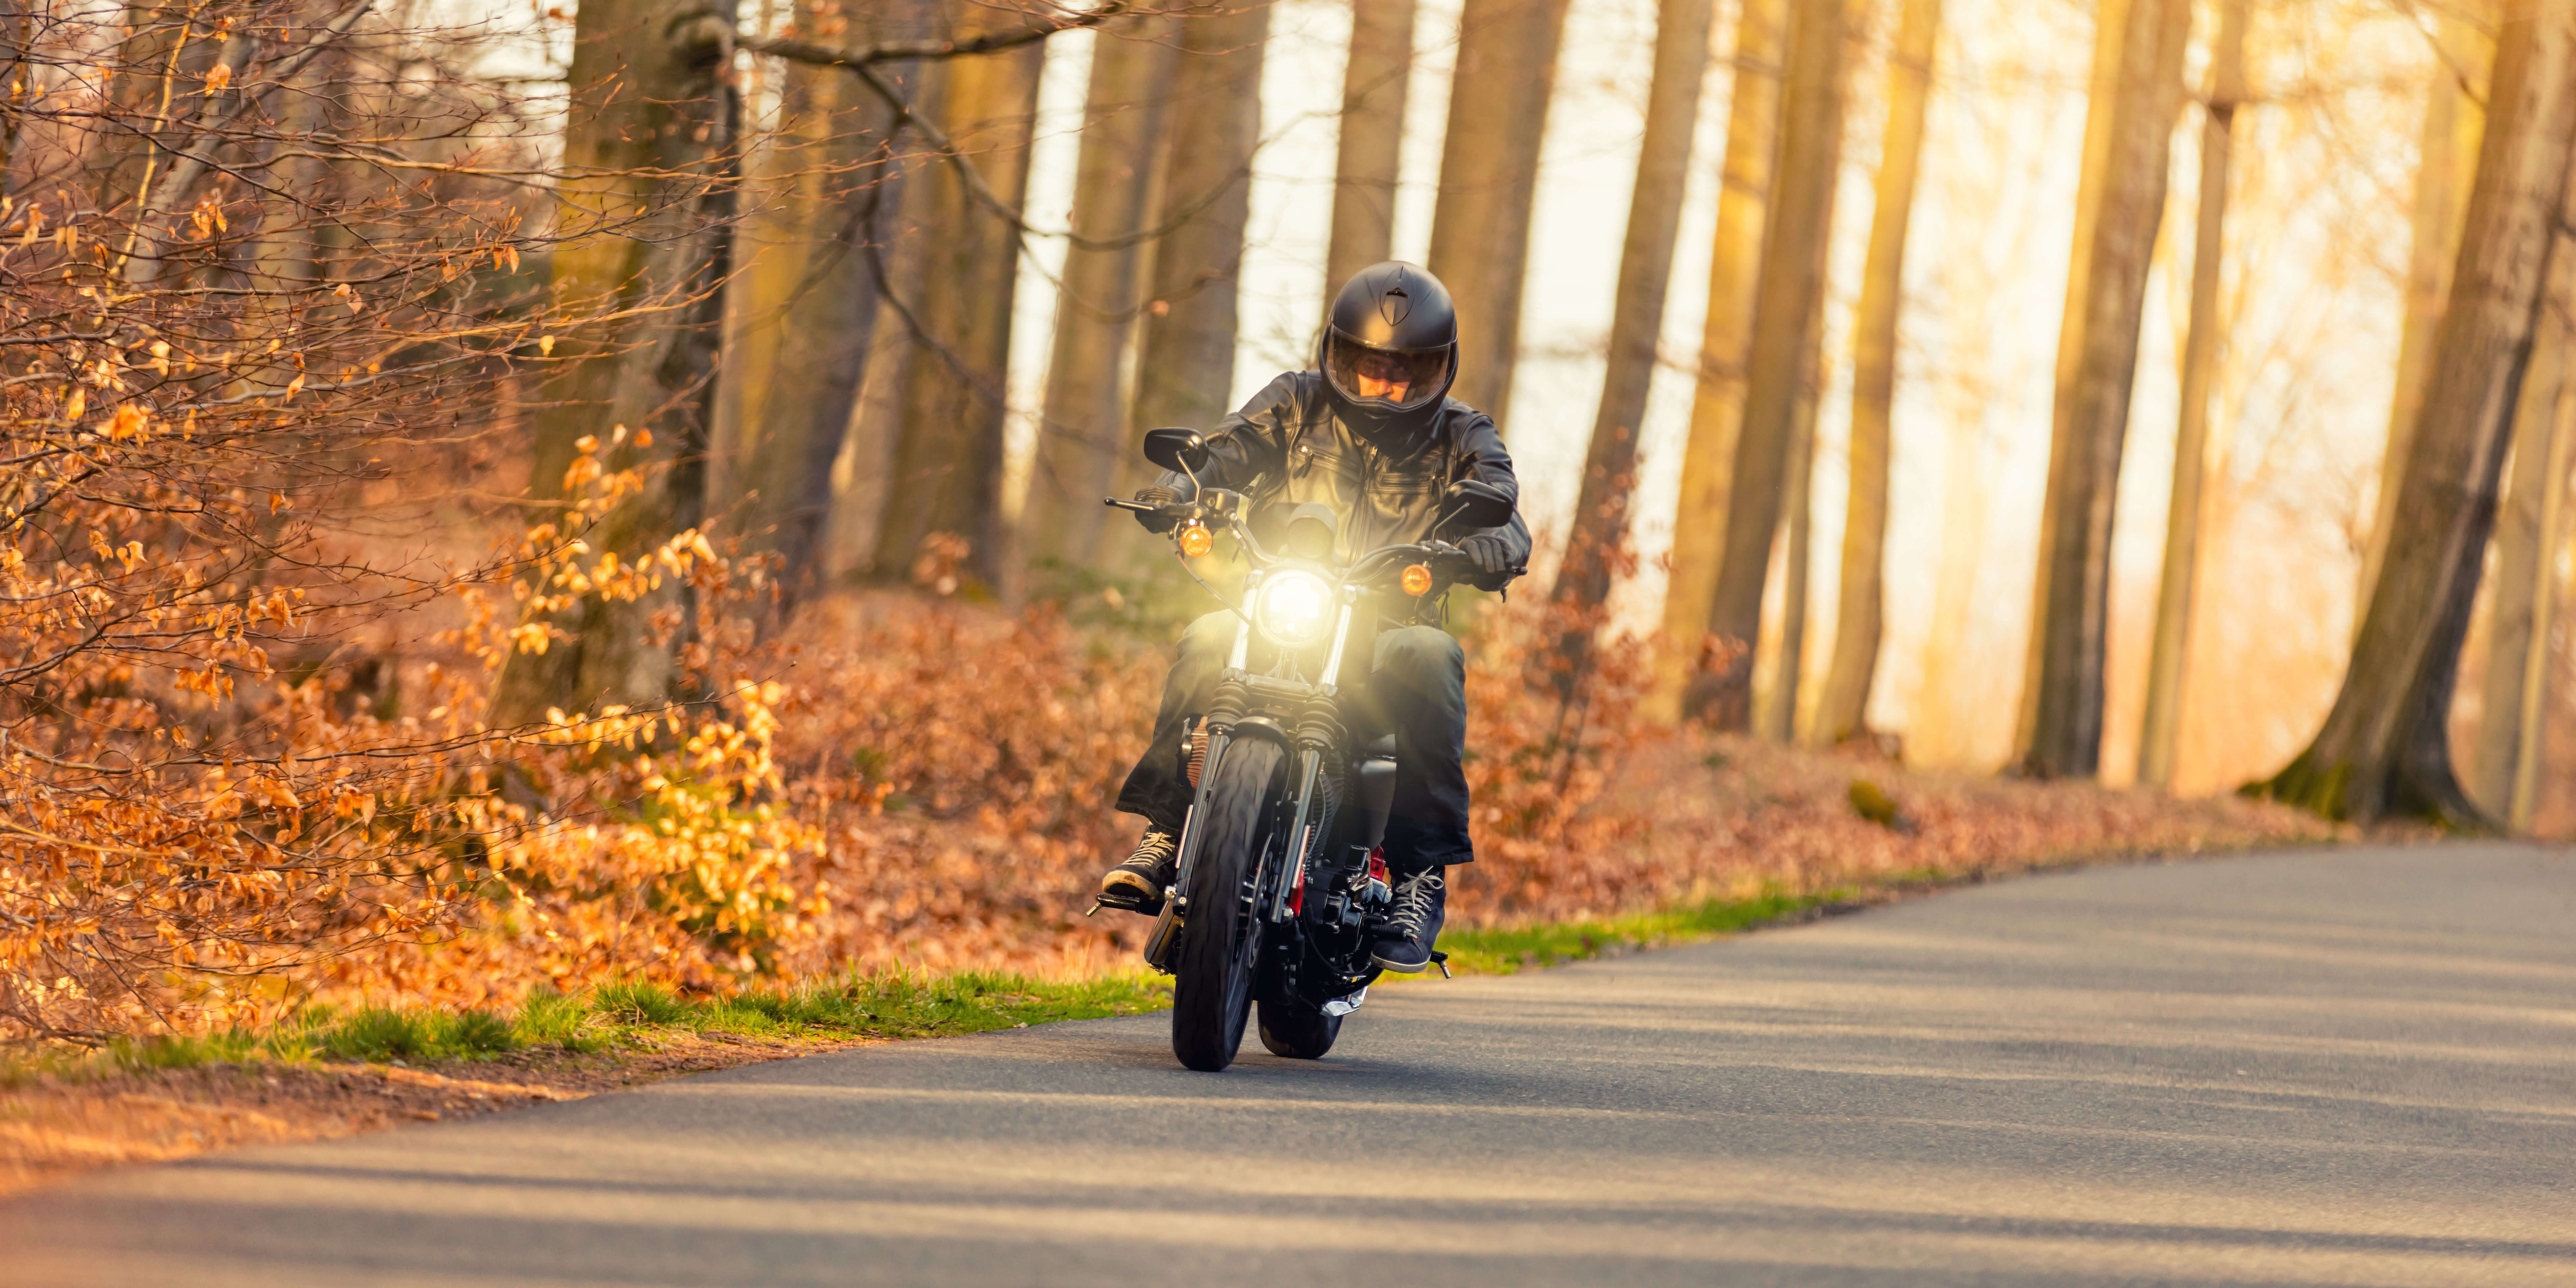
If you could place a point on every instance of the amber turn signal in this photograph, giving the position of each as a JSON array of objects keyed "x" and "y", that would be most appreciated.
[
  {"x": 1417, "y": 580},
  {"x": 1196, "y": 540}
]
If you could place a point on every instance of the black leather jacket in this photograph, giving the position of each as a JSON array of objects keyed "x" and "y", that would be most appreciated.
[{"x": 1286, "y": 447}]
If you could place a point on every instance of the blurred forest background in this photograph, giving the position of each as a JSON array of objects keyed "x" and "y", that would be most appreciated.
[{"x": 501, "y": 497}]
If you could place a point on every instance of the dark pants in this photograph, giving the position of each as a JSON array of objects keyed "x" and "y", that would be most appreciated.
[{"x": 1417, "y": 691}]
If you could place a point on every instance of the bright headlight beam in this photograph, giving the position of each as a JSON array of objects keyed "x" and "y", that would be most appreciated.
[{"x": 1293, "y": 609}]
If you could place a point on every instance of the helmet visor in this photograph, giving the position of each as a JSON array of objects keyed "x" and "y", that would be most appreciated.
[{"x": 1391, "y": 378}]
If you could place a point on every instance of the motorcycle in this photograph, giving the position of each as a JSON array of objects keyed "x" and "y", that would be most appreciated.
[{"x": 1281, "y": 884}]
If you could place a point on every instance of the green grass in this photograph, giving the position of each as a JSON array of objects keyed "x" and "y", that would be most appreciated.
[
  {"x": 888, "y": 1005},
  {"x": 909, "y": 1005},
  {"x": 1511, "y": 950},
  {"x": 895, "y": 1004}
]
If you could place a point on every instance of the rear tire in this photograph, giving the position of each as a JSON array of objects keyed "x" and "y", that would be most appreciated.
[
  {"x": 1297, "y": 1031},
  {"x": 1212, "y": 985}
]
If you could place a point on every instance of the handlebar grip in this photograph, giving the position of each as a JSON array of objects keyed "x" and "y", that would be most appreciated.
[{"x": 1462, "y": 568}]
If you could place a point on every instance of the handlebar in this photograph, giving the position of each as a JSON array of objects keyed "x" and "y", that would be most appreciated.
[
  {"x": 1447, "y": 561},
  {"x": 1445, "y": 558}
]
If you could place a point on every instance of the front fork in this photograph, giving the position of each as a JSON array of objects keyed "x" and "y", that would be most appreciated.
[
  {"x": 1219, "y": 723},
  {"x": 1166, "y": 934},
  {"x": 1313, "y": 741},
  {"x": 1310, "y": 772}
]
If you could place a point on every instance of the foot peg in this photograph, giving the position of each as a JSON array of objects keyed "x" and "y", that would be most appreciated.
[
  {"x": 1126, "y": 900},
  {"x": 1441, "y": 960}
]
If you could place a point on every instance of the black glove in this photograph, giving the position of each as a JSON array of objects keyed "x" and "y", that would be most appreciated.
[
  {"x": 1493, "y": 559},
  {"x": 1156, "y": 496}
]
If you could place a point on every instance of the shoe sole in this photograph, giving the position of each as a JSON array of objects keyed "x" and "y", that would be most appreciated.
[
  {"x": 1400, "y": 968},
  {"x": 1132, "y": 892}
]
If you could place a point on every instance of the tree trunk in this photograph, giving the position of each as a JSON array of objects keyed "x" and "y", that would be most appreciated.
[
  {"x": 807, "y": 308},
  {"x": 1775, "y": 715},
  {"x": 1083, "y": 440},
  {"x": 1842, "y": 711},
  {"x": 947, "y": 476},
  {"x": 1717, "y": 403},
  {"x": 16, "y": 35},
  {"x": 2110, "y": 21},
  {"x": 2535, "y": 663},
  {"x": 2162, "y": 729},
  {"x": 806, "y": 303},
  {"x": 1185, "y": 368},
  {"x": 2522, "y": 538},
  {"x": 862, "y": 474},
  {"x": 649, "y": 149},
  {"x": 1645, "y": 272},
  {"x": 2453, "y": 121},
  {"x": 2385, "y": 748},
  {"x": 2071, "y": 610},
  {"x": 1374, "y": 83},
  {"x": 1791, "y": 296},
  {"x": 135, "y": 165},
  {"x": 1480, "y": 230},
  {"x": 288, "y": 256}
]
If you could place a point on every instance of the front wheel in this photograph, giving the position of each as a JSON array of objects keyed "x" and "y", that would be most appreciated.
[
  {"x": 1297, "y": 1031},
  {"x": 1212, "y": 985}
]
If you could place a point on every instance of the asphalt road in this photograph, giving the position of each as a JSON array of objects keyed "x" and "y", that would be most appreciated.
[{"x": 2355, "y": 1067}]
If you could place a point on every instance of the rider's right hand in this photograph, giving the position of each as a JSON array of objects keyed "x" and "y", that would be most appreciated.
[{"x": 1152, "y": 519}]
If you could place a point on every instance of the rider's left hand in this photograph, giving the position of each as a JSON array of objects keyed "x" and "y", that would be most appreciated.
[{"x": 1493, "y": 558}]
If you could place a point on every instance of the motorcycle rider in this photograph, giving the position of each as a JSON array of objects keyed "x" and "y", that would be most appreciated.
[{"x": 1372, "y": 433}]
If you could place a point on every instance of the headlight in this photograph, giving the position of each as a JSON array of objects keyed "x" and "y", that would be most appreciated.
[{"x": 1293, "y": 609}]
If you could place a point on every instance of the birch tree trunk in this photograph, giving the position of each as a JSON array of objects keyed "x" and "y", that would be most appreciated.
[
  {"x": 1842, "y": 710},
  {"x": 1645, "y": 274},
  {"x": 947, "y": 476},
  {"x": 2384, "y": 748},
  {"x": 1083, "y": 438},
  {"x": 1488, "y": 183},
  {"x": 2447, "y": 148},
  {"x": 2523, "y": 543},
  {"x": 2071, "y": 610},
  {"x": 1717, "y": 402},
  {"x": 2161, "y": 730},
  {"x": 647, "y": 202},
  {"x": 1185, "y": 370},
  {"x": 1790, "y": 297},
  {"x": 1374, "y": 85}
]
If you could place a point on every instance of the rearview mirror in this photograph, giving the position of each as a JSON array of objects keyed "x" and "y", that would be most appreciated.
[
  {"x": 1179, "y": 450},
  {"x": 1468, "y": 505}
]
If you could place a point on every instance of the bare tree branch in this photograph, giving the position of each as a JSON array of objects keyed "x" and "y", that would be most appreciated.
[
  {"x": 822, "y": 55},
  {"x": 198, "y": 156},
  {"x": 906, "y": 115}
]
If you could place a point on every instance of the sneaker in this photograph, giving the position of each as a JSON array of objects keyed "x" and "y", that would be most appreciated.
[
  {"x": 1137, "y": 884},
  {"x": 1413, "y": 922}
]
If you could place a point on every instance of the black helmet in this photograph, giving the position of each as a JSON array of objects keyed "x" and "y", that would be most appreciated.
[{"x": 1391, "y": 347}]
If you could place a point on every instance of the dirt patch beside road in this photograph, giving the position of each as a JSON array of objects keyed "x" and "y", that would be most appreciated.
[{"x": 54, "y": 1125}]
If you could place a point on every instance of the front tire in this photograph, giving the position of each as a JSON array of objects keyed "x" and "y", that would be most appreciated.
[
  {"x": 1212, "y": 985},
  {"x": 1297, "y": 1031}
]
